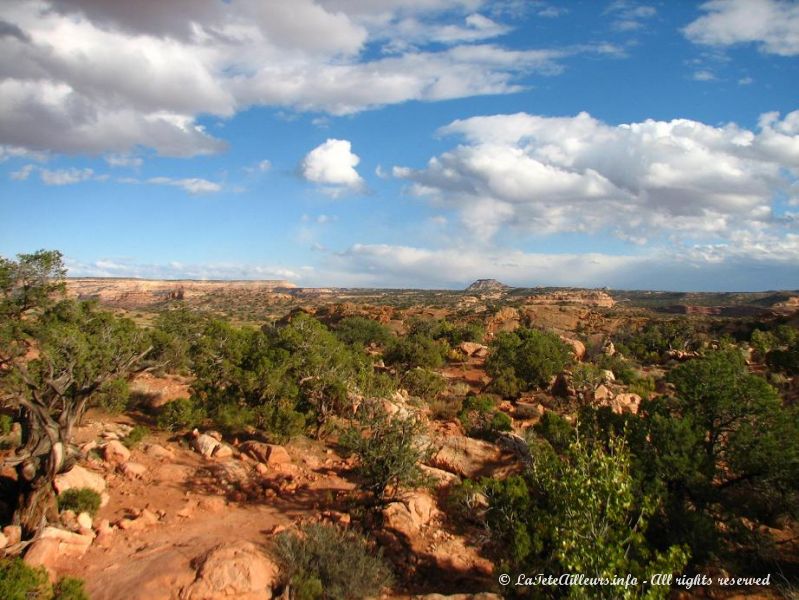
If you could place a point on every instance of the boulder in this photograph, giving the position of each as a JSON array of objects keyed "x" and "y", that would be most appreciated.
[
  {"x": 204, "y": 444},
  {"x": 3, "y": 541},
  {"x": 516, "y": 444},
  {"x": 602, "y": 395},
  {"x": 84, "y": 520},
  {"x": 270, "y": 454},
  {"x": 465, "y": 457},
  {"x": 626, "y": 403},
  {"x": 440, "y": 477},
  {"x": 77, "y": 478},
  {"x": 133, "y": 470},
  {"x": 608, "y": 376},
  {"x": 69, "y": 543},
  {"x": 411, "y": 515},
  {"x": 43, "y": 553},
  {"x": 577, "y": 347},
  {"x": 472, "y": 348},
  {"x": 145, "y": 519},
  {"x": 223, "y": 451},
  {"x": 115, "y": 452},
  {"x": 158, "y": 451},
  {"x": 238, "y": 570}
]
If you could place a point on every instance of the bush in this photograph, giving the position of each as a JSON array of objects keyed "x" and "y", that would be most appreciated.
[
  {"x": 533, "y": 357},
  {"x": 136, "y": 435},
  {"x": 423, "y": 383},
  {"x": 505, "y": 383},
  {"x": 446, "y": 408},
  {"x": 388, "y": 450},
  {"x": 69, "y": 588},
  {"x": 578, "y": 513},
  {"x": 360, "y": 331},
  {"x": 113, "y": 395},
  {"x": 322, "y": 561},
  {"x": 586, "y": 377},
  {"x": 481, "y": 419},
  {"x": 183, "y": 413},
  {"x": 415, "y": 350},
  {"x": 279, "y": 420},
  {"x": 80, "y": 500},
  {"x": 18, "y": 581}
]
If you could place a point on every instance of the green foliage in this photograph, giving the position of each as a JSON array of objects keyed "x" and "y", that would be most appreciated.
[
  {"x": 505, "y": 383},
  {"x": 18, "y": 581},
  {"x": 722, "y": 449},
  {"x": 442, "y": 330},
  {"x": 389, "y": 451},
  {"x": 80, "y": 500},
  {"x": 530, "y": 356},
  {"x": 113, "y": 395},
  {"x": 416, "y": 350},
  {"x": 136, "y": 435},
  {"x": 322, "y": 561},
  {"x": 70, "y": 588},
  {"x": 556, "y": 430},
  {"x": 650, "y": 343},
  {"x": 481, "y": 418},
  {"x": 279, "y": 420},
  {"x": 578, "y": 513},
  {"x": 360, "y": 331},
  {"x": 623, "y": 369},
  {"x": 586, "y": 376},
  {"x": 423, "y": 383},
  {"x": 183, "y": 413}
]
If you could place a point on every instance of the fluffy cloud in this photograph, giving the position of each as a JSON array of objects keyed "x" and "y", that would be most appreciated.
[
  {"x": 82, "y": 76},
  {"x": 179, "y": 270},
  {"x": 548, "y": 175},
  {"x": 744, "y": 264},
  {"x": 771, "y": 24},
  {"x": 333, "y": 164}
]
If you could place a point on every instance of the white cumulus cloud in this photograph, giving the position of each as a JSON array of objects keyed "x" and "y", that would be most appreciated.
[
  {"x": 544, "y": 175},
  {"x": 771, "y": 24},
  {"x": 333, "y": 163}
]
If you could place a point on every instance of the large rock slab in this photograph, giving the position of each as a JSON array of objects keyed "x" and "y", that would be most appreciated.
[
  {"x": 411, "y": 515},
  {"x": 465, "y": 457},
  {"x": 77, "y": 478},
  {"x": 238, "y": 570}
]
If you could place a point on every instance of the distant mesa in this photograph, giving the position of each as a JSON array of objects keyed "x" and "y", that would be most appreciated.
[{"x": 487, "y": 285}]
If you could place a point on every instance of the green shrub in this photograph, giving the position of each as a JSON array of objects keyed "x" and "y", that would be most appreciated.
[
  {"x": 183, "y": 413},
  {"x": 323, "y": 561},
  {"x": 623, "y": 370},
  {"x": 446, "y": 408},
  {"x": 69, "y": 588},
  {"x": 113, "y": 395},
  {"x": 532, "y": 356},
  {"x": 423, "y": 383},
  {"x": 279, "y": 420},
  {"x": 416, "y": 350},
  {"x": 481, "y": 419},
  {"x": 18, "y": 581},
  {"x": 389, "y": 452},
  {"x": 578, "y": 513},
  {"x": 586, "y": 376},
  {"x": 360, "y": 331},
  {"x": 79, "y": 500},
  {"x": 505, "y": 383},
  {"x": 232, "y": 416},
  {"x": 136, "y": 435},
  {"x": 556, "y": 430}
]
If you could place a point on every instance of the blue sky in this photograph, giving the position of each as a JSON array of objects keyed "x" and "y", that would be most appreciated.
[{"x": 406, "y": 143}]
